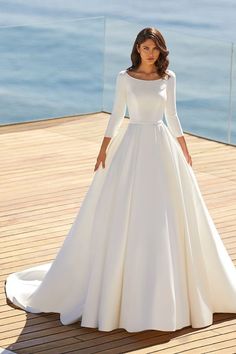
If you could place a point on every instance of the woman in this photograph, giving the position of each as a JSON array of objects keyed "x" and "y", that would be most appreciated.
[{"x": 143, "y": 252}]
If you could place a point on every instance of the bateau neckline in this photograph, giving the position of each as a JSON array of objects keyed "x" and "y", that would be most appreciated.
[{"x": 141, "y": 79}]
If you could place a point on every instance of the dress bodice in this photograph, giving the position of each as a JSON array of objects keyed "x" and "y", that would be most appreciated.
[{"x": 146, "y": 100}]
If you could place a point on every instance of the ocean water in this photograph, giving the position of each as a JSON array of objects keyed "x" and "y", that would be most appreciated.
[{"x": 61, "y": 58}]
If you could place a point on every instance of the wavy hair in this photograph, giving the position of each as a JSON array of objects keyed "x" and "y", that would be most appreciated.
[{"x": 162, "y": 62}]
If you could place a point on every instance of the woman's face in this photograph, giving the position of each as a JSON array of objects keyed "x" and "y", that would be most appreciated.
[{"x": 148, "y": 51}]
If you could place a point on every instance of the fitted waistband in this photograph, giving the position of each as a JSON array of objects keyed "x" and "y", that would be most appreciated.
[{"x": 158, "y": 122}]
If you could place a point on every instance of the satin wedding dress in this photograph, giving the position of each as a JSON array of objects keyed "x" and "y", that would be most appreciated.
[{"x": 143, "y": 251}]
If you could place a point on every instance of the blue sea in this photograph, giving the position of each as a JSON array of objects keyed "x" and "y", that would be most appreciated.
[{"x": 60, "y": 58}]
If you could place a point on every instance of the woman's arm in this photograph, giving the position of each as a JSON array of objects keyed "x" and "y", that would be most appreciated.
[
  {"x": 172, "y": 118},
  {"x": 116, "y": 118},
  {"x": 119, "y": 107}
]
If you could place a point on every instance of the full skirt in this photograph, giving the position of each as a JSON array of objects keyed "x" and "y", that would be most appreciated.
[{"x": 143, "y": 251}]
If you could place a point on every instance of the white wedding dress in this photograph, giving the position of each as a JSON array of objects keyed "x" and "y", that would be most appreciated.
[{"x": 143, "y": 251}]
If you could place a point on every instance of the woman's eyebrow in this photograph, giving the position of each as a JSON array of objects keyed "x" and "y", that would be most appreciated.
[{"x": 149, "y": 47}]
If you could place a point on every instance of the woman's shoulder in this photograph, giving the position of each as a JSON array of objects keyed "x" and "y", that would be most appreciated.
[
  {"x": 122, "y": 72},
  {"x": 171, "y": 72},
  {"x": 121, "y": 76}
]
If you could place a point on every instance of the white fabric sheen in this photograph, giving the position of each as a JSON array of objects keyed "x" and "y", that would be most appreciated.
[
  {"x": 146, "y": 100},
  {"x": 143, "y": 251}
]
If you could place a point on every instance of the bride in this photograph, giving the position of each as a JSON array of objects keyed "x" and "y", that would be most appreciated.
[{"x": 143, "y": 251}]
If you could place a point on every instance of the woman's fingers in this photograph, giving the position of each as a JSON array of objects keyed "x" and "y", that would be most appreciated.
[
  {"x": 190, "y": 160},
  {"x": 98, "y": 163}
]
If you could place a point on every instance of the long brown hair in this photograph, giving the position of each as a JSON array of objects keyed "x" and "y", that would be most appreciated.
[{"x": 162, "y": 62}]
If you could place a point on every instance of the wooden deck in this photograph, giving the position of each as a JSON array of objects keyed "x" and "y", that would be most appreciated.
[{"x": 46, "y": 169}]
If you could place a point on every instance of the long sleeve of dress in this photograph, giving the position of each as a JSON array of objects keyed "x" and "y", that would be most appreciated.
[
  {"x": 119, "y": 107},
  {"x": 171, "y": 115}
]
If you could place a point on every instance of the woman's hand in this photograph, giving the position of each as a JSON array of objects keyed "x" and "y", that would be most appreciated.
[
  {"x": 101, "y": 159},
  {"x": 182, "y": 142},
  {"x": 102, "y": 153},
  {"x": 188, "y": 157}
]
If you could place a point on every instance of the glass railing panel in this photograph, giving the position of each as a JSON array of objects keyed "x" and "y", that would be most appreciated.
[{"x": 232, "y": 105}]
